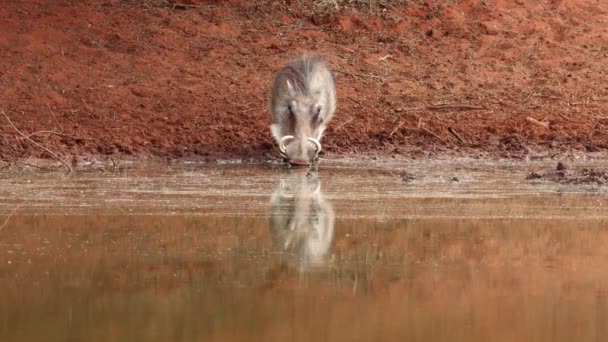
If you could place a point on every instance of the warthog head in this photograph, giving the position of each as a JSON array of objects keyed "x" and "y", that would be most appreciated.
[{"x": 303, "y": 102}]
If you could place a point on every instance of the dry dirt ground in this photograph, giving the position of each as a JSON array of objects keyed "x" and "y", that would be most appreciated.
[{"x": 139, "y": 79}]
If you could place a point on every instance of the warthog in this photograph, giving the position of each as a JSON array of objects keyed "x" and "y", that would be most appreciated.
[
  {"x": 301, "y": 220},
  {"x": 302, "y": 103}
]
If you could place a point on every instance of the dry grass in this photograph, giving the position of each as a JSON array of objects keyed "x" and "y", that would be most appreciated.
[{"x": 332, "y": 7}]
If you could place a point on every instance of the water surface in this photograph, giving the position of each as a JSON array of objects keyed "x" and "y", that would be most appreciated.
[{"x": 428, "y": 251}]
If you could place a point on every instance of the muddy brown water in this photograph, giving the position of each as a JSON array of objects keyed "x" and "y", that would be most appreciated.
[{"x": 424, "y": 251}]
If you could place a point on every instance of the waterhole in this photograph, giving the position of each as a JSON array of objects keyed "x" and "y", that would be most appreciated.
[{"x": 424, "y": 251}]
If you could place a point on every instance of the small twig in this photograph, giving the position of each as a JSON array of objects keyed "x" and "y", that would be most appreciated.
[
  {"x": 442, "y": 107},
  {"x": 35, "y": 143},
  {"x": 411, "y": 109},
  {"x": 456, "y": 135},
  {"x": 454, "y": 106},
  {"x": 536, "y": 122},
  {"x": 252, "y": 110},
  {"x": 10, "y": 215},
  {"x": 18, "y": 166},
  {"x": 54, "y": 117},
  {"x": 549, "y": 97},
  {"x": 383, "y": 58},
  {"x": 422, "y": 129},
  {"x": 301, "y": 27},
  {"x": 34, "y": 166},
  {"x": 183, "y": 6},
  {"x": 349, "y": 120},
  {"x": 586, "y": 104},
  {"x": 431, "y": 133},
  {"x": 51, "y": 132},
  {"x": 396, "y": 129},
  {"x": 567, "y": 118},
  {"x": 359, "y": 75},
  {"x": 114, "y": 165}
]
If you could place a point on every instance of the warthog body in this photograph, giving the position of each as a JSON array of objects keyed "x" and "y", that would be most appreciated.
[
  {"x": 303, "y": 102},
  {"x": 301, "y": 220}
]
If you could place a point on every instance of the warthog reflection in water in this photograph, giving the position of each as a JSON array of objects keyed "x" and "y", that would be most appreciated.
[{"x": 301, "y": 220}]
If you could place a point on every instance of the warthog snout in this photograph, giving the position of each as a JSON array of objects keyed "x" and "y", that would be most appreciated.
[{"x": 299, "y": 151}]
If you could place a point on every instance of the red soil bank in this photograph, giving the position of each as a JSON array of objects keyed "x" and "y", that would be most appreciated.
[{"x": 138, "y": 79}]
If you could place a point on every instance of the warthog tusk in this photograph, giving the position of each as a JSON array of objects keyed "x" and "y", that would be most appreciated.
[
  {"x": 316, "y": 142},
  {"x": 284, "y": 139}
]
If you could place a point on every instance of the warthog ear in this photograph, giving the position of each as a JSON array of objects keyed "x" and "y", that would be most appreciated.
[{"x": 290, "y": 91}]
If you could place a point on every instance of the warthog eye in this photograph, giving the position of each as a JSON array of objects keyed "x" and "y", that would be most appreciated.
[{"x": 317, "y": 116}]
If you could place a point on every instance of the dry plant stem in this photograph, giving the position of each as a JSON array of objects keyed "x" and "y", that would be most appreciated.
[
  {"x": 536, "y": 122},
  {"x": 444, "y": 107},
  {"x": 51, "y": 132},
  {"x": 343, "y": 124},
  {"x": 413, "y": 109},
  {"x": 456, "y": 135},
  {"x": 454, "y": 106},
  {"x": 34, "y": 166},
  {"x": 54, "y": 117},
  {"x": 186, "y": 6},
  {"x": 359, "y": 75},
  {"x": 9, "y": 216},
  {"x": 252, "y": 110},
  {"x": 6, "y": 221},
  {"x": 383, "y": 58},
  {"x": 35, "y": 143},
  {"x": 396, "y": 128},
  {"x": 568, "y": 119},
  {"x": 422, "y": 129},
  {"x": 432, "y": 134}
]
